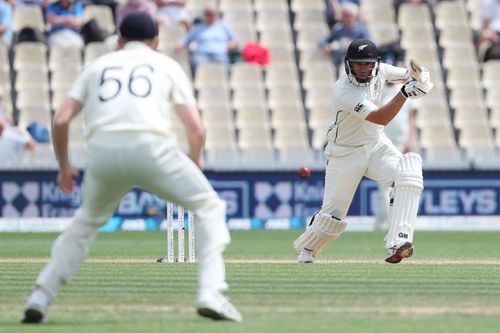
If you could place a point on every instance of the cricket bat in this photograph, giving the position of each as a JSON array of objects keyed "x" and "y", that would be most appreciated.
[{"x": 415, "y": 70}]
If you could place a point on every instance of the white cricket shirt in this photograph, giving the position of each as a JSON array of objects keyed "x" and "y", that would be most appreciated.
[
  {"x": 352, "y": 104},
  {"x": 133, "y": 89}
]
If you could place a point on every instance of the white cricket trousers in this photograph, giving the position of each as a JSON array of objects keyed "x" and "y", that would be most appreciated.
[
  {"x": 118, "y": 161},
  {"x": 344, "y": 172}
]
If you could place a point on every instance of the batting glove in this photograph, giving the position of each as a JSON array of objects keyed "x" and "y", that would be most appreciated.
[{"x": 415, "y": 89}]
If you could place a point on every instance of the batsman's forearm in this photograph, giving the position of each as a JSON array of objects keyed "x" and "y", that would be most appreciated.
[
  {"x": 196, "y": 142},
  {"x": 60, "y": 132},
  {"x": 386, "y": 113}
]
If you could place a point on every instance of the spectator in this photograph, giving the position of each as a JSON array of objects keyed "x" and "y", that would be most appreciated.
[
  {"x": 214, "y": 40},
  {"x": 6, "y": 22},
  {"x": 488, "y": 43},
  {"x": 66, "y": 19},
  {"x": 333, "y": 10},
  {"x": 172, "y": 12},
  {"x": 123, "y": 9},
  {"x": 13, "y": 140},
  {"x": 349, "y": 29}
]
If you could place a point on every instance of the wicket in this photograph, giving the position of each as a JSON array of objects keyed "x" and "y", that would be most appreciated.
[{"x": 181, "y": 228}]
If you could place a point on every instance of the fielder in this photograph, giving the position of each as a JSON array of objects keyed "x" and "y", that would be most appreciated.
[
  {"x": 357, "y": 147},
  {"x": 128, "y": 97}
]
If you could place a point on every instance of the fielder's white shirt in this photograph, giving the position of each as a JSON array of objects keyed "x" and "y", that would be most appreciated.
[
  {"x": 133, "y": 89},
  {"x": 352, "y": 104}
]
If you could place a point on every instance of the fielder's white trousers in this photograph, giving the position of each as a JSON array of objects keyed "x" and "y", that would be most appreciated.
[
  {"x": 346, "y": 167},
  {"x": 115, "y": 163}
]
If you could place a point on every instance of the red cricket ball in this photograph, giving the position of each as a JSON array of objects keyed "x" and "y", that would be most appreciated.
[{"x": 304, "y": 172}]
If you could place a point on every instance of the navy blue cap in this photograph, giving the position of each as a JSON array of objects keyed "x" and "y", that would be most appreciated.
[{"x": 138, "y": 26}]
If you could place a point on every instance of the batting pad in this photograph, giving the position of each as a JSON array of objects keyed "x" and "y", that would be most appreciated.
[
  {"x": 403, "y": 209},
  {"x": 325, "y": 228}
]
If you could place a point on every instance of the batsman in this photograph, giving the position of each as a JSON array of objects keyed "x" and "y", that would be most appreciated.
[{"x": 357, "y": 147}]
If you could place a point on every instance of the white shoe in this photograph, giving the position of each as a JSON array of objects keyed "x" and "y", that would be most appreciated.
[
  {"x": 36, "y": 308},
  {"x": 397, "y": 253},
  {"x": 305, "y": 257},
  {"x": 217, "y": 307}
]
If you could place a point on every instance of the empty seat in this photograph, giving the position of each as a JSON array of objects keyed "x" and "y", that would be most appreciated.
[
  {"x": 305, "y": 19},
  {"x": 94, "y": 50},
  {"x": 168, "y": 36},
  {"x": 285, "y": 117},
  {"x": 276, "y": 36},
  {"x": 28, "y": 16},
  {"x": 320, "y": 96},
  {"x": 249, "y": 96},
  {"x": 413, "y": 14},
  {"x": 245, "y": 75},
  {"x": 314, "y": 56},
  {"x": 64, "y": 57},
  {"x": 281, "y": 74},
  {"x": 210, "y": 74},
  {"x": 450, "y": 13},
  {"x": 475, "y": 136},
  {"x": 384, "y": 33},
  {"x": 308, "y": 37},
  {"x": 30, "y": 54},
  {"x": 459, "y": 55},
  {"x": 284, "y": 97},
  {"x": 219, "y": 137},
  {"x": 103, "y": 16},
  {"x": 317, "y": 76},
  {"x": 304, "y": 5},
  {"x": 32, "y": 78},
  {"x": 255, "y": 137},
  {"x": 261, "y": 5},
  {"x": 227, "y": 5},
  {"x": 455, "y": 34},
  {"x": 253, "y": 116},
  {"x": 291, "y": 136}
]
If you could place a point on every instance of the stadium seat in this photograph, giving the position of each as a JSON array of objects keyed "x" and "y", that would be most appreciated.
[
  {"x": 94, "y": 50},
  {"x": 31, "y": 78},
  {"x": 250, "y": 96},
  {"x": 473, "y": 137},
  {"x": 413, "y": 14},
  {"x": 491, "y": 74},
  {"x": 305, "y": 19},
  {"x": 305, "y": 5},
  {"x": 270, "y": 18},
  {"x": 253, "y": 116},
  {"x": 30, "y": 54},
  {"x": 220, "y": 137},
  {"x": 103, "y": 16},
  {"x": 245, "y": 75},
  {"x": 319, "y": 96},
  {"x": 459, "y": 55},
  {"x": 455, "y": 34},
  {"x": 282, "y": 55},
  {"x": 281, "y": 74},
  {"x": 64, "y": 57},
  {"x": 317, "y": 76},
  {"x": 468, "y": 116},
  {"x": 255, "y": 137},
  {"x": 227, "y": 5},
  {"x": 288, "y": 117},
  {"x": 319, "y": 117},
  {"x": 384, "y": 32},
  {"x": 239, "y": 17},
  {"x": 462, "y": 76},
  {"x": 291, "y": 136},
  {"x": 28, "y": 16},
  {"x": 309, "y": 37},
  {"x": 380, "y": 14},
  {"x": 450, "y": 13},
  {"x": 261, "y": 5},
  {"x": 314, "y": 56},
  {"x": 444, "y": 157},
  {"x": 210, "y": 74},
  {"x": 276, "y": 36},
  {"x": 284, "y": 97},
  {"x": 213, "y": 95},
  {"x": 169, "y": 36}
]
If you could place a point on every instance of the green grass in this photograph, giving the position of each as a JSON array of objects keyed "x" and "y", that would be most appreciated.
[{"x": 428, "y": 293}]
